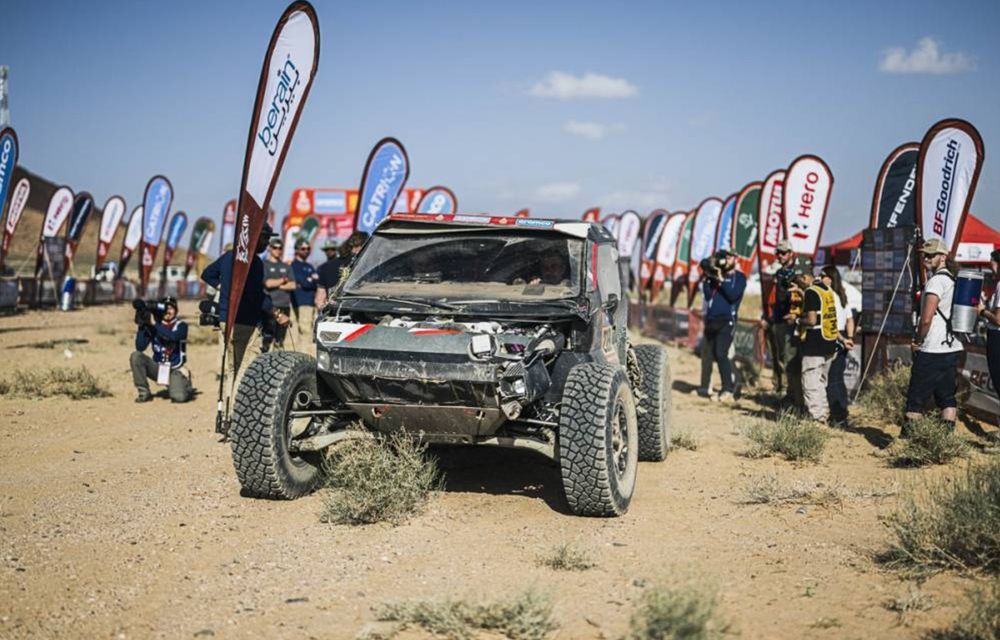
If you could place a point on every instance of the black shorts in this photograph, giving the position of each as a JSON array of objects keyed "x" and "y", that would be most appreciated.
[{"x": 932, "y": 374}]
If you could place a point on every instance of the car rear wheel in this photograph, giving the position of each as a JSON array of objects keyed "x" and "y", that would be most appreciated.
[
  {"x": 262, "y": 427},
  {"x": 656, "y": 405},
  {"x": 598, "y": 440}
]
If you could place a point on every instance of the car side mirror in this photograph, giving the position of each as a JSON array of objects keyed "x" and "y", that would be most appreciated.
[{"x": 611, "y": 303}]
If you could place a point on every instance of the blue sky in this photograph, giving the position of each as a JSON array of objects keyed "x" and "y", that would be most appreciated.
[{"x": 685, "y": 100}]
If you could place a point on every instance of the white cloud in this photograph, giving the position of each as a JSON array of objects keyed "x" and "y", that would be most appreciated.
[
  {"x": 557, "y": 192},
  {"x": 927, "y": 57},
  {"x": 566, "y": 86},
  {"x": 592, "y": 130},
  {"x": 655, "y": 195}
]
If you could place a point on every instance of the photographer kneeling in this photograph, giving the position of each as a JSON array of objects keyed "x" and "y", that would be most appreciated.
[
  {"x": 723, "y": 289},
  {"x": 158, "y": 326}
]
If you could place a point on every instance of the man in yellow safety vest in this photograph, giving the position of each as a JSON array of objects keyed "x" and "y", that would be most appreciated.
[{"x": 818, "y": 326}]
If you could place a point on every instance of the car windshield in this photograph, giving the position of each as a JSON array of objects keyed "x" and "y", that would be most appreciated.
[{"x": 469, "y": 266}]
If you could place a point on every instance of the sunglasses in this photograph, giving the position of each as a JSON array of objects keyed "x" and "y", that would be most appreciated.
[{"x": 305, "y": 248}]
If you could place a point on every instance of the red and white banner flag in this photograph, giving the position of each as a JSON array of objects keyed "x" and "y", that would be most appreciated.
[
  {"x": 666, "y": 250},
  {"x": 770, "y": 220},
  {"x": 18, "y": 198},
  {"x": 627, "y": 233},
  {"x": 60, "y": 206},
  {"x": 592, "y": 215},
  {"x": 808, "y": 184},
  {"x": 133, "y": 234},
  {"x": 111, "y": 219}
]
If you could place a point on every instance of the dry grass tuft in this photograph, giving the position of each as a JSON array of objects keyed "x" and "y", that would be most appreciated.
[
  {"x": 884, "y": 397},
  {"x": 790, "y": 436},
  {"x": 930, "y": 441},
  {"x": 685, "y": 440},
  {"x": 76, "y": 384},
  {"x": 982, "y": 619},
  {"x": 567, "y": 557},
  {"x": 676, "y": 613}
]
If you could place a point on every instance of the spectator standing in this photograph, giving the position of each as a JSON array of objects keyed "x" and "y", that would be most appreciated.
[
  {"x": 723, "y": 289},
  {"x": 245, "y": 339},
  {"x": 781, "y": 336},
  {"x": 168, "y": 337},
  {"x": 936, "y": 350},
  {"x": 991, "y": 313},
  {"x": 818, "y": 327},
  {"x": 836, "y": 387},
  {"x": 329, "y": 271},
  {"x": 304, "y": 296},
  {"x": 279, "y": 282}
]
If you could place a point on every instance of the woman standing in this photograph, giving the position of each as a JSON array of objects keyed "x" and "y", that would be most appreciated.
[
  {"x": 991, "y": 312},
  {"x": 836, "y": 388}
]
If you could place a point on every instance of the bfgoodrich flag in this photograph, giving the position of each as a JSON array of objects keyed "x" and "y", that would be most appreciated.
[
  {"x": 808, "y": 184},
  {"x": 438, "y": 200},
  {"x": 770, "y": 223},
  {"x": 155, "y": 209},
  {"x": 83, "y": 205},
  {"x": 703, "y": 237},
  {"x": 385, "y": 174},
  {"x": 285, "y": 78},
  {"x": 18, "y": 198},
  {"x": 111, "y": 219},
  {"x": 895, "y": 201},
  {"x": 951, "y": 157},
  {"x": 8, "y": 159},
  {"x": 174, "y": 232},
  {"x": 745, "y": 227}
]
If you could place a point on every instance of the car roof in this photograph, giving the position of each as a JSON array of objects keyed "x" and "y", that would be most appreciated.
[{"x": 429, "y": 223}]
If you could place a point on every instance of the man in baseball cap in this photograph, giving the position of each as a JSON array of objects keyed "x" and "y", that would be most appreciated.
[{"x": 782, "y": 339}]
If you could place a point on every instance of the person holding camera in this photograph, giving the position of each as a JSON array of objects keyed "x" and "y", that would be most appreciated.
[
  {"x": 723, "y": 287},
  {"x": 279, "y": 281},
  {"x": 780, "y": 334},
  {"x": 158, "y": 326}
]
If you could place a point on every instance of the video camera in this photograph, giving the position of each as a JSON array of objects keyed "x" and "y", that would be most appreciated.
[
  {"x": 712, "y": 267},
  {"x": 145, "y": 310},
  {"x": 208, "y": 313}
]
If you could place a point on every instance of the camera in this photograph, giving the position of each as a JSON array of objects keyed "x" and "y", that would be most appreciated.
[
  {"x": 145, "y": 310},
  {"x": 208, "y": 313},
  {"x": 712, "y": 268}
]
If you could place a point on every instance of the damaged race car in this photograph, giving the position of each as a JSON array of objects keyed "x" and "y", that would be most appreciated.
[{"x": 473, "y": 330}]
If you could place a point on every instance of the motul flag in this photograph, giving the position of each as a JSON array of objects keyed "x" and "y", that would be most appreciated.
[
  {"x": 627, "y": 233},
  {"x": 770, "y": 223},
  {"x": 523, "y": 213},
  {"x": 201, "y": 240},
  {"x": 285, "y": 78},
  {"x": 60, "y": 206},
  {"x": 703, "y": 238},
  {"x": 808, "y": 184},
  {"x": 666, "y": 250},
  {"x": 951, "y": 157},
  {"x": 83, "y": 205},
  {"x": 895, "y": 201},
  {"x": 724, "y": 230},
  {"x": 744, "y": 239},
  {"x": 228, "y": 226},
  {"x": 175, "y": 230},
  {"x": 383, "y": 180},
  {"x": 18, "y": 198},
  {"x": 155, "y": 209},
  {"x": 438, "y": 200},
  {"x": 8, "y": 159},
  {"x": 111, "y": 219},
  {"x": 592, "y": 215},
  {"x": 650, "y": 236},
  {"x": 133, "y": 235}
]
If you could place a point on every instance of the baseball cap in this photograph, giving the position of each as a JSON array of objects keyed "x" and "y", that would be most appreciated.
[
  {"x": 301, "y": 242},
  {"x": 329, "y": 244},
  {"x": 724, "y": 253},
  {"x": 276, "y": 241},
  {"x": 783, "y": 246},
  {"x": 934, "y": 247}
]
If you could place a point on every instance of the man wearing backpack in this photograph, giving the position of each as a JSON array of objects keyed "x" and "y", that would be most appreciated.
[
  {"x": 818, "y": 329},
  {"x": 936, "y": 350}
]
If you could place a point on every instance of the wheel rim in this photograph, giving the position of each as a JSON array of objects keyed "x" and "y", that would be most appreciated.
[{"x": 620, "y": 444}]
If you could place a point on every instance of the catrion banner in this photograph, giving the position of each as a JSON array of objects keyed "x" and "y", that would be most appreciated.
[
  {"x": 178, "y": 223},
  {"x": 592, "y": 215},
  {"x": 60, "y": 206},
  {"x": 385, "y": 174},
  {"x": 951, "y": 157},
  {"x": 201, "y": 240},
  {"x": 8, "y": 160},
  {"x": 83, "y": 205},
  {"x": 438, "y": 200},
  {"x": 650, "y": 236},
  {"x": 285, "y": 78},
  {"x": 155, "y": 209},
  {"x": 894, "y": 203},
  {"x": 133, "y": 234},
  {"x": 666, "y": 250},
  {"x": 724, "y": 230},
  {"x": 627, "y": 233},
  {"x": 18, "y": 198},
  {"x": 808, "y": 184},
  {"x": 702, "y": 238},
  {"x": 228, "y": 226},
  {"x": 111, "y": 219},
  {"x": 744, "y": 239},
  {"x": 770, "y": 224}
]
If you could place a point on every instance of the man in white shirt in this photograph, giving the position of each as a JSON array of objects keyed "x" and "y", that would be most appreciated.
[{"x": 936, "y": 350}]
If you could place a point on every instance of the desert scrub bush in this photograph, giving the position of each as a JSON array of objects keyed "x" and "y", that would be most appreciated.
[
  {"x": 526, "y": 616},
  {"x": 674, "y": 613},
  {"x": 954, "y": 524},
  {"x": 372, "y": 480},
  {"x": 929, "y": 441},
  {"x": 685, "y": 440},
  {"x": 768, "y": 490},
  {"x": 76, "y": 384},
  {"x": 906, "y": 604},
  {"x": 884, "y": 397},
  {"x": 790, "y": 436},
  {"x": 201, "y": 337},
  {"x": 982, "y": 619},
  {"x": 566, "y": 557}
]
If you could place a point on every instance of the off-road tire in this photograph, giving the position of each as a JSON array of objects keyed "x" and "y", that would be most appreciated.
[
  {"x": 591, "y": 399},
  {"x": 259, "y": 427},
  {"x": 656, "y": 404}
]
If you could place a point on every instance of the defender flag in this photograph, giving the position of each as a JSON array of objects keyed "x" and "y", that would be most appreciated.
[
  {"x": 83, "y": 204},
  {"x": 438, "y": 200},
  {"x": 178, "y": 224},
  {"x": 724, "y": 231},
  {"x": 111, "y": 219},
  {"x": 8, "y": 160},
  {"x": 228, "y": 226},
  {"x": 808, "y": 184},
  {"x": 60, "y": 206},
  {"x": 201, "y": 240},
  {"x": 951, "y": 157},
  {"x": 666, "y": 250},
  {"x": 895, "y": 203},
  {"x": 744, "y": 239},
  {"x": 383, "y": 179},
  {"x": 133, "y": 234},
  {"x": 702, "y": 239},
  {"x": 18, "y": 198},
  {"x": 650, "y": 237},
  {"x": 592, "y": 215},
  {"x": 155, "y": 209}
]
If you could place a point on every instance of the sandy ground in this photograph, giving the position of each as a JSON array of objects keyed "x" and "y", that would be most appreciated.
[{"x": 125, "y": 521}]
